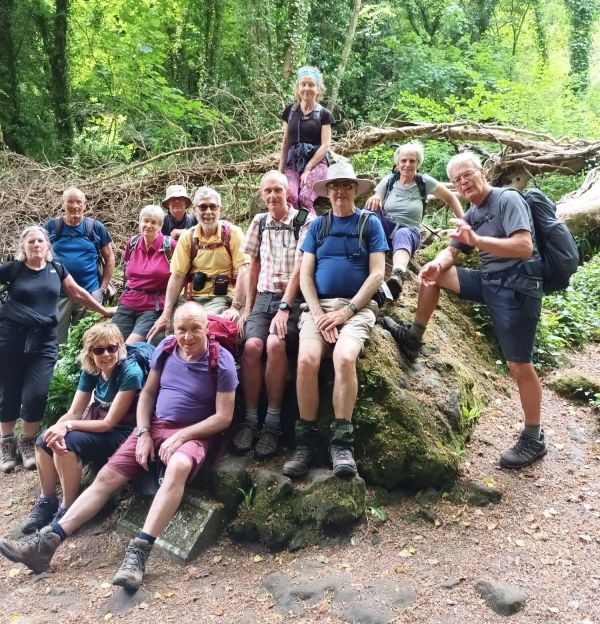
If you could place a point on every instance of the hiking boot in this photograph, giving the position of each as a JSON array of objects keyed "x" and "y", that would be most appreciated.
[
  {"x": 40, "y": 516},
  {"x": 394, "y": 283},
  {"x": 343, "y": 461},
  {"x": 132, "y": 569},
  {"x": 409, "y": 345},
  {"x": 35, "y": 551},
  {"x": 26, "y": 449},
  {"x": 268, "y": 443},
  {"x": 524, "y": 452},
  {"x": 60, "y": 512},
  {"x": 8, "y": 454},
  {"x": 298, "y": 464},
  {"x": 243, "y": 439}
]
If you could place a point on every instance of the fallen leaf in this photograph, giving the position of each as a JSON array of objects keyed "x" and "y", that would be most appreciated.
[
  {"x": 143, "y": 605},
  {"x": 108, "y": 616},
  {"x": 584, "y": 538},
  {"x": 219, "y": 611},
  {"x": 217, "y": 559},
  {"x": 489, "y": 481},
  {"x": 406, "y": 553},
  {"x": 169, "y": 594},
  {"x": 322, "y": 559},
  {"x": 559, "y": 447},
  {"x": 14, "y": 572},
  {"x": 553, "y": 609},
  {"x": 491, "y": 526},
  {"x": 158, "y": 595},
  {"x": 346, "y": 566},
  {"x": 520, "y": 543},
  {"x": 400, "y": 569},
  {"x": 257, "y": 558},
  {"x": 105, "y": 585}
]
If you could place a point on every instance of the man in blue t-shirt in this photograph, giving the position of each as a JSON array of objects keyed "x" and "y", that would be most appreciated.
[
  {"x": 79, "y": 242},
  {"x": 499, "y": 225},
  {"x": 342, "y": 267},
  {"x": 187, "y": 400}
]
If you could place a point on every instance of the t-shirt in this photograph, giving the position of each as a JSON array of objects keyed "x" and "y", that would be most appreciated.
[
  {"x": 77, "y": 252},
  {"x": 169, "y": 224},
  {"x": 502, "y": 213},
  {"x": 147, "y": 271},
  {"x": 341, "y": 265},
  {"x": 127, "y": 375},
  {"x": 38, "y": 290},
  {"x": 187, "y": 393},
  {"x": 404, "y": 204},
  {"x": 305, "y": 128},
  {"x": 216, "y": 261}
]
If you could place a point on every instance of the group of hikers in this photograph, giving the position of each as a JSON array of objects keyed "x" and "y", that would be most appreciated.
[{"x": 296, "y": 288}]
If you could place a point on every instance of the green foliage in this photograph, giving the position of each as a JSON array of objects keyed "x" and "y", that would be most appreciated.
[
  {"x": 66, "y": 373},
  {"x": 379, "y": 513}
]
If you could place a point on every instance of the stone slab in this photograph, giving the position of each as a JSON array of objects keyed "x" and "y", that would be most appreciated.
[{"x": 196, "y": 525}]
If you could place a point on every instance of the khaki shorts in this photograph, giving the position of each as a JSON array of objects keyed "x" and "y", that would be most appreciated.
[{"x": 357, "y": 327}]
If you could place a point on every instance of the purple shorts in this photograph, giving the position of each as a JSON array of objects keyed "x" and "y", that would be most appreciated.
[
  {"x": 406, "y": 237},
  {"x": 124, "y": 462}
]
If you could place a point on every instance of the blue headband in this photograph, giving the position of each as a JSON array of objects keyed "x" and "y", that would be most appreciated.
[{"x": 310, "y": 72}]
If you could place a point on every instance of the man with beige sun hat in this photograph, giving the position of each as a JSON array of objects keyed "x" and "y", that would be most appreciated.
[{"x": 177, "y": 219}]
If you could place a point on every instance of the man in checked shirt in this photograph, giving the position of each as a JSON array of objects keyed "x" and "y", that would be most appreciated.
[{"x": 270, "y": 320}]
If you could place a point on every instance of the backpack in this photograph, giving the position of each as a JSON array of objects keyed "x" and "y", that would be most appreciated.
[
  {"x": 224, "y": 242},
  {"x": 419, "y": 181},
  {"x": 297, "y": 222},
  {"x": 141, "y": 353},
  {"x": 132, "y": 246},
  {"x": 555, "y": 242},
  {"x": 325, "y": 226},
  {"x": 316, "y": 113}
]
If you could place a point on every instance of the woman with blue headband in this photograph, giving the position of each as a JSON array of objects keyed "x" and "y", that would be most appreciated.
[{"x": 306, "y": 138}]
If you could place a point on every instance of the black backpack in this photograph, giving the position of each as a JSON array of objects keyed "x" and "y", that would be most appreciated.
[
  {"x": 325, "y": 226},
  {"x": 555, "y": 242},
  {"x": 298, "y": 222},
  {"x": 419, "y": 181}
]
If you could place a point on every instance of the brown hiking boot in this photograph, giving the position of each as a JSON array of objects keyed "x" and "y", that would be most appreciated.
[
  {"x": 268, "y": 443},
  {"x": 35, "y": 551},
  {"x": 131, "y": 572},
  {"x": 342, "y": 460},
  {"x": 26, "y": 449},
  {"x": 299, "y": 463},
  {"x": 243, "y": 439},
  {"x": 8, "y": 454}
]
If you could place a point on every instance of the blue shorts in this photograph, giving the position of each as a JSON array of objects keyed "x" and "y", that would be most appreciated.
[
  {"x": 405, "y": 237},
  {"x": 514, "y": 315},
  {"x": 90, "y": 446}
]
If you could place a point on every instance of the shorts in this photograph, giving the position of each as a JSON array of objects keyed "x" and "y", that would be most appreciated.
[
  {"x": 91, "y": 446},
  {"x": 124, "y": 462},
  {"x": 132, "y": 322},
  {"x": 212, "y": 304},
  {"x": 406, "y": 237},
  {"x": 514, "y": 315},
  {"x": 357, "y": 327},
  {"x": 259, "y": 320}
]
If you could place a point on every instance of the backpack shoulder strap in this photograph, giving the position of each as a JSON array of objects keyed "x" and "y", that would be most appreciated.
[
  {"x": 262, "y": 223},
  {"x": 294, "y": 108},
  {"x": 15, "y": 269},
  {"x": 57, "y": 226},
  {"x": 214, "y": 349},
  {"x": 167, "y": 351},
  {"x": 132, "y": 244},
  {"x": 193, "y": 249},
  {"x": 324, "y": 228},
  {"x": 226, "y": 236},
  {"x": 390, "y": 184},
  {"x": 168, "y": 247},
  {"x": 420, "y": 182},
  {"x": 362, "y": 225}
]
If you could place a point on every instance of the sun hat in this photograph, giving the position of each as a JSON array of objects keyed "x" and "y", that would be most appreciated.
[
  {"x": 176, "y": 190},
  {"x": 341, "y": 171}
]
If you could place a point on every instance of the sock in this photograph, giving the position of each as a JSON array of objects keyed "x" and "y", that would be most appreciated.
[
  {"x": 273, "y": 418},
  {"x": 48, "y": 499},
  {"x": 144, "y": 536},
  {"x": 10, "y": 436},
  {"x": 62, "y": 509},
  {"x": 252, "y": 416},
  {"x": 56, "y": 528},
  {"x": 533, "y": 431},
  {"x": 416, "y": 330}
]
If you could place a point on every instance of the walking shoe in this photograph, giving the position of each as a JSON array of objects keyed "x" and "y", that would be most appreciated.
[
  {"x": 60, "y": 512},
  {"x": 40, "y": 516},
  {"x": 299, "y": 463},
  {"x": 409, "y": 345},
  {"x": 131, "y": 572},
  {"x": 8, "y": 454},
  {"x": 268, "y": 443},
  {"x": 243, "y": 439},
  {"x": 343, "y": 461},
  {"x": 35, "y": 551},
  {"x": 524, "y": 452},
  {"x": 26, "y": 448},
  {"x": 394, "y": 282}
]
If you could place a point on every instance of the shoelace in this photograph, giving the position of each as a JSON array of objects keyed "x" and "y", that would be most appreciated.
[
  {"x": 343, "y": 454},
  {"x": 134, "y": 559}
]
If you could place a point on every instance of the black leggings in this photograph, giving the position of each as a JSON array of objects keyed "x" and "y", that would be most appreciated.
[{"x": 27, "y": 359}]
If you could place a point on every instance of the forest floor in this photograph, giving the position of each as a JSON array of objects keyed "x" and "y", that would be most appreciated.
[{"x": 543, "y": 537}]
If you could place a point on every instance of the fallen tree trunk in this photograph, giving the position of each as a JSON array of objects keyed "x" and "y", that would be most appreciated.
[{"x": 580, "y": 210}]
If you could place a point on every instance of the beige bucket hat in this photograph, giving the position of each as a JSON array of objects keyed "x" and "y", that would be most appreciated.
[
  {"x": 341, "y": 171},
  {"x": 176, "y": 190}
]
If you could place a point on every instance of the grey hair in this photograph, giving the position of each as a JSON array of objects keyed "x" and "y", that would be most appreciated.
[
  {"x": 276, "y": 174},
  {"x": 206, "y": 191},
  {"x": 413, "y": 148},
  {"x": 464, "y": 158},
  {"x": 20, "y": 255},
  {"x": 151, "y": 210}
]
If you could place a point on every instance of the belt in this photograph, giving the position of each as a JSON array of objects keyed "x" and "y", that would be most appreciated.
[{"x": 155, "y": 293}]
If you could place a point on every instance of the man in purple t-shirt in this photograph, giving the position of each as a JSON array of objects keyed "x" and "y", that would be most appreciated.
[{"x": 186, "y": 401}]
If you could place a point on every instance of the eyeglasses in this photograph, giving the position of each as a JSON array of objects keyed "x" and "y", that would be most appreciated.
[
  {"x": 108, "y": 349},
  {"x": 347, "y": 186},
  {"x": 463, "y": 177},
  {"x": 205, "y": 207}
]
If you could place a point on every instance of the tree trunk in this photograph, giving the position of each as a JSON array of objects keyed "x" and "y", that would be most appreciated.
[
  {"x": 345, "y": 56},
  {"x": 580, "y": 210},
  {"x": 9, "y": 94}
]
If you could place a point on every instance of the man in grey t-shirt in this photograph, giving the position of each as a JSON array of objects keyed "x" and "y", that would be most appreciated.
[{"x": 499, "y": 225}]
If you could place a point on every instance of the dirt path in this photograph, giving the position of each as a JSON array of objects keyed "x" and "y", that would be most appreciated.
[{"x": 418, "y": 566}]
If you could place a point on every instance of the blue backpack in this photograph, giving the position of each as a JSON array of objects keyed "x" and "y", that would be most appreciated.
[{"x": 140, "y": 353}]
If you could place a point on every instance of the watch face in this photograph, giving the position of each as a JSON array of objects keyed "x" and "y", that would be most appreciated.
[{"x": 284, "y": 306}]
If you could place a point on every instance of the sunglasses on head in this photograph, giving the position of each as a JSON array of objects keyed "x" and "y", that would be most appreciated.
[{"x": 108, "y": 349}]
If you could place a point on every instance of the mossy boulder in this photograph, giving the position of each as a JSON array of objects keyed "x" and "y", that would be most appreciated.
[{"x": 575, "y": 386}]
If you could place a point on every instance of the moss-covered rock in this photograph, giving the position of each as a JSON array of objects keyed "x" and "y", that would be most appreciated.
[{"x": 575, "y": 386}]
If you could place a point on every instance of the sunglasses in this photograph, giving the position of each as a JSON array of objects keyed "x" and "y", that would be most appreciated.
[
  {"x": 205, "y": 207},
  {"x": 108, "y": 349},
  {"x": 340, "y": 185}
]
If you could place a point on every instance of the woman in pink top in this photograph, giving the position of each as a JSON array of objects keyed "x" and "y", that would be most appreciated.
[{"x": 146, "y": 273}]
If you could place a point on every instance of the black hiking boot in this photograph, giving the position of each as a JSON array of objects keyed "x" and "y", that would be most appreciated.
[
  {"x": 342, "y": 460},
  {"x": 394, "y": 283},
  {"x": 299, "y": 463},
  {"x": 35, "y": 551},
  {"x": 409, "y": 345},
  {"x": 524, "y": 452},
  {"x": 131, "y": 572},
  {"x": 41, "y": 515}
]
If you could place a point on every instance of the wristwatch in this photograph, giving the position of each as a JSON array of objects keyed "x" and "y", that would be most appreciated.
[
  {"x": 286, "y": 307},
  {"x": 353, "y": 308},
  {"x": 142, "y": 430},
  {"x": 237, "y": 305}
]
